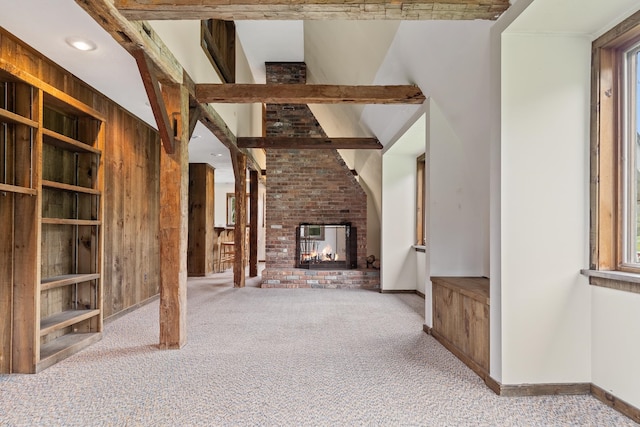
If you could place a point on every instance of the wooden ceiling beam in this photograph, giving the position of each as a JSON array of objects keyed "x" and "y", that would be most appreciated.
[
  {"x": 134, "y": 36},
  {"x": 312, "y": 9},
  {"x": 309, "y": 143},
  {"x": 308, "y": 94}
]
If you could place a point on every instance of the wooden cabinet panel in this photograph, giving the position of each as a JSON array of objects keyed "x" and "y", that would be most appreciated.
[{"x": 461, "y": 318}]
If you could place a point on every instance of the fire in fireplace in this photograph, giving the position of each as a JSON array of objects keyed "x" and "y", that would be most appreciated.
[{"x": 326, "y": 246}]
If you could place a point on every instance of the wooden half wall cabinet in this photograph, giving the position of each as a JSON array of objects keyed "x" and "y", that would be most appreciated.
[
  {"x": 51, "y": 210},
  {"x": 461, "y": 319}
]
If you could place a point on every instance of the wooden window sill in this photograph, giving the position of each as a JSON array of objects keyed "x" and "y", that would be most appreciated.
[{"x": 619, "y": 280}]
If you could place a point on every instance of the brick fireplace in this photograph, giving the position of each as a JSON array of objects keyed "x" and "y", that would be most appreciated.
[{"x": 309, "y": 187}]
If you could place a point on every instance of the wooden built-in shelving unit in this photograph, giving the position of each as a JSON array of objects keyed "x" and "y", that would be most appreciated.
[{"x": 51, "y": 183}]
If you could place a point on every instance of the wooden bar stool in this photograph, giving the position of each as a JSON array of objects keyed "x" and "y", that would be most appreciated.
[{"x": 226, "y": 251}]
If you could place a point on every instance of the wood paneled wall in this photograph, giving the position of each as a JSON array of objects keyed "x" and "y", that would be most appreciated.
[
  {"x": 131, "y": 218},
  {"x": 131, "y": 196},
  {"x": 200, "y": 252}
]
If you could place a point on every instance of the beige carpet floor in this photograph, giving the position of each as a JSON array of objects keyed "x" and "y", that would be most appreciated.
[{"x": 278, "y": 357}]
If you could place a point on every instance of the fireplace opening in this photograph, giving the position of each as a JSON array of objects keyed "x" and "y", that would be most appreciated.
[{"x": 326, "y": 246}]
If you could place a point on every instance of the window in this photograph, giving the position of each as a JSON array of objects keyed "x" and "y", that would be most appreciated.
[
  {"x": 420, "y": 201},
  {"x": 615, "y": 149},
  {"x": 631, "y": 157}
]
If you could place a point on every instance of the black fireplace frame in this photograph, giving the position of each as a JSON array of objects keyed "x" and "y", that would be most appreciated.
[{"x": 351, "y": 261}]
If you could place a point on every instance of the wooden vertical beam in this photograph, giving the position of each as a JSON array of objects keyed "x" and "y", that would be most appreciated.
[
  {"x": 253, "y": 223},
  {"x": 174, "y": 190},
  {"x": 27, "y": 236},
  {"x": 201, "y": 219},
  {"x": 239, "y": 160}
]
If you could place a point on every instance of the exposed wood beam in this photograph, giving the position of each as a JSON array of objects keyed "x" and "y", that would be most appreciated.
[
  {"x": 253, "y": 223},
  {"x": 134, "y": 36},
  {"x": 310, "y": 143},
  {"x": 308, "y": 94},
  {"x": 173, "y": 233},
  {"x": 152, "y": 86},
  {"x": 312, "y": 9},
  {"x": 239, "y": 161},
  {"x": 194, "y": 117},
  {"x": 212, "y": 121},
  {"x": 218, "y": 41}
]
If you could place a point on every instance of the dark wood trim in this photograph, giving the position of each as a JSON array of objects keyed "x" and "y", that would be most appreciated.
[
  {"x": 308, "y": 94},
  {"x": 402, "y": 291},
  {"x": 617, "y": 404},
  {"x": 493, "y": 385},
  {"x": 285, "y": 142},
  {"x": 152, "y": 87},
  {"x": 618, "y": 285},
  {"x": 311, "y": 9},
  {"x": 521, "y": 390}
]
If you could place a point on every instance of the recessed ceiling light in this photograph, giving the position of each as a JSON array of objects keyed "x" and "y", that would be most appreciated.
[
  {"x": 216, "y": 155},
  {"x": 81, "y": 44},
  {"x": 195, "y": 136}
]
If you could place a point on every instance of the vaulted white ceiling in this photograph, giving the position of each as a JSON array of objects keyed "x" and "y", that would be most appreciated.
[{"x": 448, "y": 60}]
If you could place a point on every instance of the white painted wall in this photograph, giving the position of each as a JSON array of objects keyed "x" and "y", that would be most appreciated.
[
  {"x": 454, "y": 74},
  {"x": 455, "y": 220},
  {"x": 368, "y": 164},
  {"x": 615, "y": 348},
  {"x": 398, "y": 260},
  {"x": 544, "y": 208},
  {"x": 421, "y": 279},
  {"x": 547, "y": 323},
  {"x": 330, "y": 60}
]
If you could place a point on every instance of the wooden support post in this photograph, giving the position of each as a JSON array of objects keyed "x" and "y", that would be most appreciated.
[
  {"x": 27, "y": 239},
  {"x": 239, "y": 160},
  {"x": 174, "y": 190},
  {"x": 253, "y": 223},
  {"x": 200, "y": 256}
]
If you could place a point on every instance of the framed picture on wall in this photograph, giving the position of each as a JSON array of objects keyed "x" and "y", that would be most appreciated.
[{"x": 231, "y": 209}]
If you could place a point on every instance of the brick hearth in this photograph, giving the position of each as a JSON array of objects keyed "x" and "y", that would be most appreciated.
[{"x": 328, "y": 279}]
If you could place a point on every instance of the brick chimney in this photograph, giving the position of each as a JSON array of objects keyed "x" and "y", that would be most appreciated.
[{"x": 307, "y": 186}]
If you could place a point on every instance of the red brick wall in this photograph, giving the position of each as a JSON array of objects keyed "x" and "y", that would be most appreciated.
[{"x": 314, "y": 186}]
